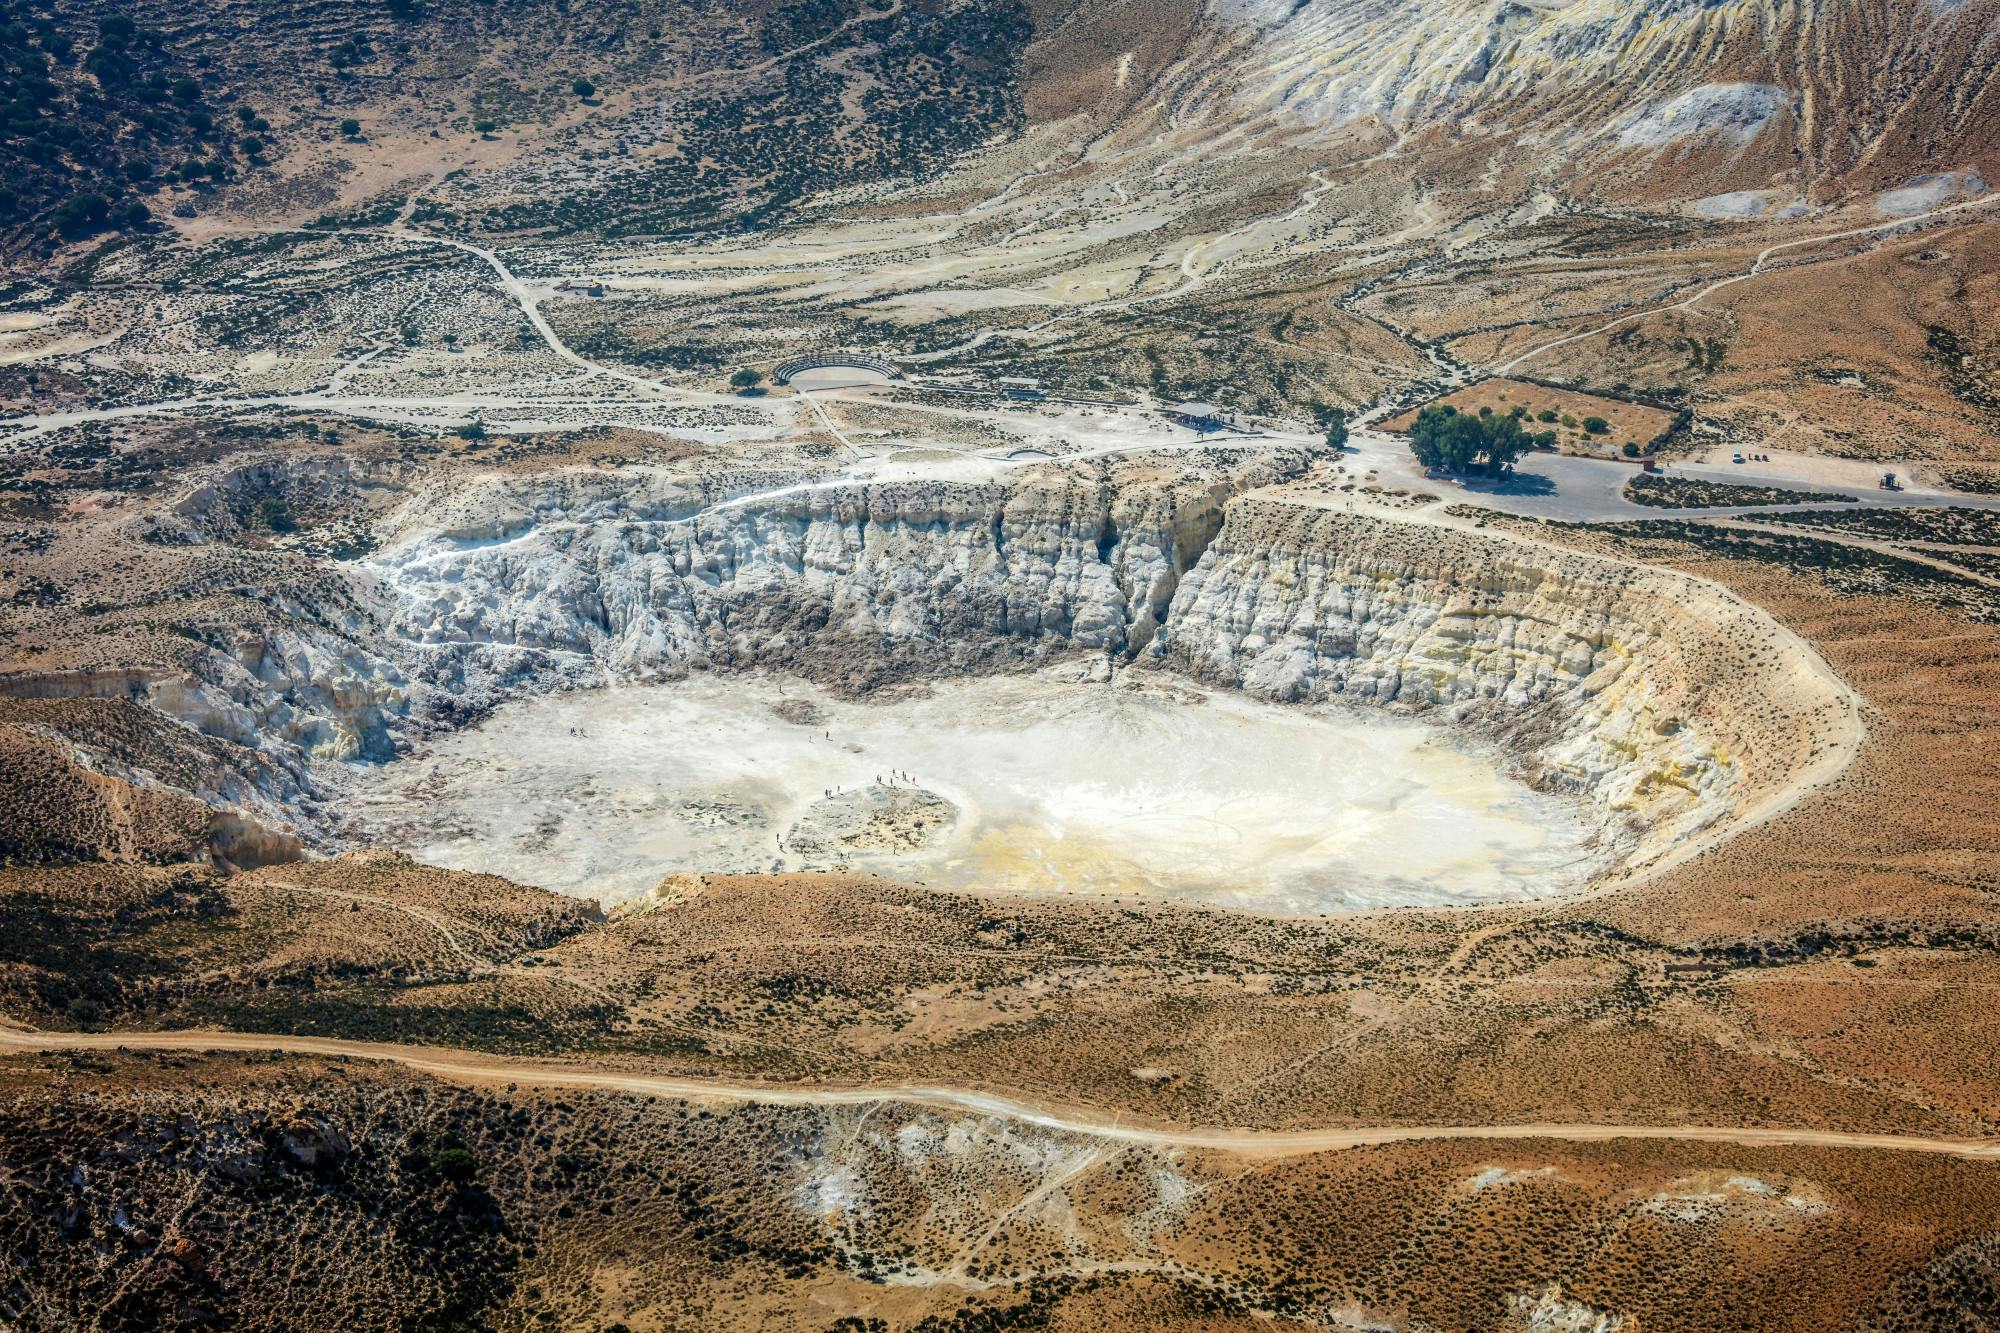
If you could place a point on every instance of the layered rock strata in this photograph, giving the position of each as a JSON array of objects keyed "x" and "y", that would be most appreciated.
[{"x": 1672, "y": 707}]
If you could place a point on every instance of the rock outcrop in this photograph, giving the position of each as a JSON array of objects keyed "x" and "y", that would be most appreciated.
[{"x": 1669, "y": 705}]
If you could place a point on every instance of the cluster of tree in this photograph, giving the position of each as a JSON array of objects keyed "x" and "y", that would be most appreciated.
[
  {"x": 1448, "y": 440},
  {"x": 90, "y": 123},
  {"x": 351, "y": 51}
]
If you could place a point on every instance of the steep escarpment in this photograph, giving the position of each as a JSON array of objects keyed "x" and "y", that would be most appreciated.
[
  {"x": 851, "y": 584},
  {"x": 1670, "y": 704},
  {"x": 1656, "y": 97},
  {"x": 1672, "y": 708}
]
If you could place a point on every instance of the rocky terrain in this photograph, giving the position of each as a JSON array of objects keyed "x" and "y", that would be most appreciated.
[
  {"x": 371, "y": 370},
  {"x": 1672, "y": 707},
  {"x": 497, "y": 1204}
]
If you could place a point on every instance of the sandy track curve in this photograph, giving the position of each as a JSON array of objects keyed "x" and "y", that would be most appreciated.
[
  {"x": 1757, "y": 269},
  {"x": 475, "y": 1068}
]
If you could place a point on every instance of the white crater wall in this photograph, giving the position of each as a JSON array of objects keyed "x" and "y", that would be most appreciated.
[{"x": 1672, "y": 707}]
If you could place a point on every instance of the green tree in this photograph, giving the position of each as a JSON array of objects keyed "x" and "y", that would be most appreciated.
[
  {"x": 1336, "y": 429},
  {"x": 350, "y": 128},
  {"x": 747, "y": 378},
  {"x": 81, "y": 214},
  {"x": 1447, "y": 440},
  {"x": 1545, "y": 415},
  {"x": 1596, "y": 425},
  {"x": 583, "y": 88}
]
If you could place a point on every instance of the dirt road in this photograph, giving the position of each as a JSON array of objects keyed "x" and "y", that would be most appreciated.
[
  {"x": 474, "y": 1068},
  {"x": 1757, "y": 269}
]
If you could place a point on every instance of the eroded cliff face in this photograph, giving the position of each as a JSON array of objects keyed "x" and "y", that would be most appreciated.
[
  {"x": 1667, "y": 704},
  {"x": 853, "y": 585}
]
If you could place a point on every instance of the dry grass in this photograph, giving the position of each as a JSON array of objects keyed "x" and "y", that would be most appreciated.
[
  {"x": 1629, "y": 422},
  {"x": 309, "y": 1194}
]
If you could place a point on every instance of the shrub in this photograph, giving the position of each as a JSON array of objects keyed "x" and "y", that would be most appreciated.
[
  {"x": 81, "y": 214},
  {"x": 1545, "y": 415},
  {"x": 1596, "y": 425},
  {"x": 455, "y": 1164}
]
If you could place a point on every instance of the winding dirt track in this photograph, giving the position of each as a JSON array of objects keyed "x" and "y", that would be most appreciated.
[
  {"x": 474, "y": 1068},
  {"x": 1756, "y": 269}
]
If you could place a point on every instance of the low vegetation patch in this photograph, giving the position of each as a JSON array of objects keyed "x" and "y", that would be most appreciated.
[
  {"x": 1844, "y": 567},
  {"x": 1936, "y": 527},
  {"x": 1692, "y": 493},
  {"x": 1580, "y": 422}
]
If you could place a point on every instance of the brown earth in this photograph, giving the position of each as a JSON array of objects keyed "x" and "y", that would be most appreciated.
[
  {"x": 607, "y": 1210},
  {"x": 1633, "y": 423}
]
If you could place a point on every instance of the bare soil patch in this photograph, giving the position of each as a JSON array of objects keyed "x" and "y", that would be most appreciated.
[{"x": 1633, "y": 423}]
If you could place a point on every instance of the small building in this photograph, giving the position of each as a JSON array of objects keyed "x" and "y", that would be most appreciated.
[
  {"x": 1017, "y": 382},
  {"x": 1197, "y": 416}
]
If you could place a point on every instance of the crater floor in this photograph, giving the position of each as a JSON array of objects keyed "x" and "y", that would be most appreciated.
[{"x": 995, "y": 784}]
